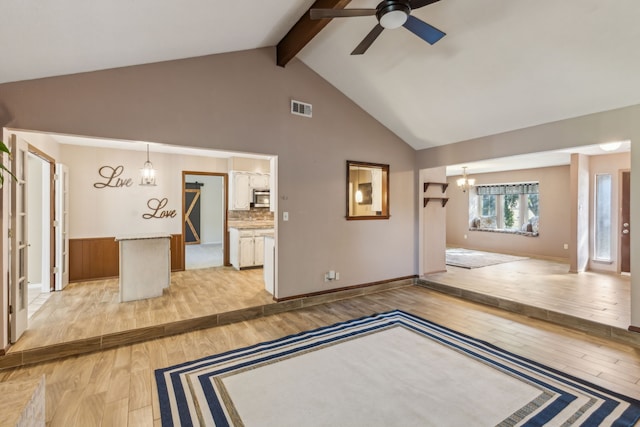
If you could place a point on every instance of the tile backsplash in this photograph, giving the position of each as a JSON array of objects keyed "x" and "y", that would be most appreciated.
[{"x": 255, "y": 214}]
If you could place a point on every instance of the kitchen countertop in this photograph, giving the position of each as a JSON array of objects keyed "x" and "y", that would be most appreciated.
[
  {"x": 246, "y": 225},
  {"x": 143, "y": 236}
]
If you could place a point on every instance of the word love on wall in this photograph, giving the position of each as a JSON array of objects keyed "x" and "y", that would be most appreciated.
[
  {"x": 156, "y": 206},
  {"x": 112, "y": 178}
]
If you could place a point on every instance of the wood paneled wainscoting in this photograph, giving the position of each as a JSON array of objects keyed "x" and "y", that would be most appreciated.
[{"x": 99, "y": 257}]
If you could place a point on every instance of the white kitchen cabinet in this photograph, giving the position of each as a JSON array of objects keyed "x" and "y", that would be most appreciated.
[
  {"x": 240, "y": 191},
  {"x": 241, "y": 188},
  {"x": 246, "y": 247},
  {"x": 246, "y": 256},
  {"x": 258, "y": 250},
  {"x": 259, "y": 181}
]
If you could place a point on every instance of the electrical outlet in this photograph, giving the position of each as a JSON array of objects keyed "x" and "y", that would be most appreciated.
[
  {"x": 331, "y": 275},
  {"x": 285, "y": 216},
  {"x": 566, "y": 246}
]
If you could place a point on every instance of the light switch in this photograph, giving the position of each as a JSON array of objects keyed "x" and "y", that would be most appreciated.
[{"x": 285, "y": 216}]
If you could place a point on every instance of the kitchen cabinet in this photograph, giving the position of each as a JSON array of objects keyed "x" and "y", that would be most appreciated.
[
  {"x": 259, "y": 180},
  {"x": 240, "y": 192},
  {"x": 241, "y": 188},
  {"x": 246, "y": 246}
]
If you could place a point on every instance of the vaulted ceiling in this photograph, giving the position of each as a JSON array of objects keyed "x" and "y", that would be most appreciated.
[{"x": 503, "y": 65}]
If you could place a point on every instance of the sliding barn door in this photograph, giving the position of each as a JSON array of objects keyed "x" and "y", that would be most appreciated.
[
  {"x": 19, "y": 287},
  {"x": 192, "y": 213}
]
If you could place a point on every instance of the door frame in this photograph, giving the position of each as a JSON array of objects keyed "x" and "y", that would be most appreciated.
[
  {"x": 52, "y": 211},
  {"x": 225, "y": 226}
]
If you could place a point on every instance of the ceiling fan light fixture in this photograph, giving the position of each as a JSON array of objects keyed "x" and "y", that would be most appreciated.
[
  {"x": 393, "y": 14},
  {"x": 393, "y": 19}
]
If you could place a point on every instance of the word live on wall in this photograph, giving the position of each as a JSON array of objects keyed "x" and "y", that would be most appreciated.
[{"x": 112, "y": 176}]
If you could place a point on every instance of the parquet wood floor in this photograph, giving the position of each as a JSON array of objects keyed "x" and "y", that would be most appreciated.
[{"x": 116, "y": 387}]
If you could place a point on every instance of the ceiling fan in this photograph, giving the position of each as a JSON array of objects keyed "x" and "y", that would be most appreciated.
[{"x": 391, "y": 14}]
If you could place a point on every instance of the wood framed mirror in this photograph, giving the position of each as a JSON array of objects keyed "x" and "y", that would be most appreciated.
[{"x": 367, "y": 190}]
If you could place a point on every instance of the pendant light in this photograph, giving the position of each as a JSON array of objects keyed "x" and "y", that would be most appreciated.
[{"x": 147, "y": 173}]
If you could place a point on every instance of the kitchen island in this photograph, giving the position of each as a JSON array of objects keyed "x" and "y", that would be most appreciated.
[{"x": 145, "y": 265}]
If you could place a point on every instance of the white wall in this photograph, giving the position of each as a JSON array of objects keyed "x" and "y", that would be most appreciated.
[{"x": 105, "y": 212}]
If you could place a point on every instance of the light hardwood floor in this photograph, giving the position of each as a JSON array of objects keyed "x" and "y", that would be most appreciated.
[
  {"x": 116, "y": 387},
  {"x": 91, "y": 309},
  {"x": 598, "y": 297}
]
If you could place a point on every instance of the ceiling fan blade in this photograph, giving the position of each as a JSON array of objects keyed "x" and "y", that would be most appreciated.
[
  {"x": 417, "y": 4},
  {"x": 339, "y": 13},
  {"x": 423, "y": 30},
  {"x": 368, "y": 40}
]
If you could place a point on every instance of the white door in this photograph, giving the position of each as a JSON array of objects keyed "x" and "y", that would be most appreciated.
[
  {"x": 62, "y": 226},
  {"x": 19, "y": 243}
]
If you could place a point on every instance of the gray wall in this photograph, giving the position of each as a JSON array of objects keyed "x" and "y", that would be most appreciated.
[
  {"x": 240, "y": 101},
  {"x": 554, "y": 215},
  {"x": 614, "y": 125}
]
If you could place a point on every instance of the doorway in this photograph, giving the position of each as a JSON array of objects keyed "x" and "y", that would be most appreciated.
[
  {"x": 204, "y": 225},
  {"x": 41, "y": 243}
]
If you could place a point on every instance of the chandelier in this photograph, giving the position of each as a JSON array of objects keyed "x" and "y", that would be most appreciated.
[{"x": 465, "y": 183}]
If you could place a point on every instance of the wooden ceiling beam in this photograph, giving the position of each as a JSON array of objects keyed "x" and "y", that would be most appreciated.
[{"x": 304, "y": 31}]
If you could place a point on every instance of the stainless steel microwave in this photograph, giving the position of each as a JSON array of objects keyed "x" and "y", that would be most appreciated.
[{"x": 261, "y": 198}]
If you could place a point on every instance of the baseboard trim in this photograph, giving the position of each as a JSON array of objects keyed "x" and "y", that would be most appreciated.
[
  {"x": 349, "y": 288},
  {"x": 634, "y": 329}
]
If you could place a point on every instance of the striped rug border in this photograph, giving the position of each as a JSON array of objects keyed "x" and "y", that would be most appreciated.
[{"x": 368, "y": 323}]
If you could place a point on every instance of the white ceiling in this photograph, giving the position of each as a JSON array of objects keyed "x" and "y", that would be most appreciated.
[{"x": 504, "y": 64}]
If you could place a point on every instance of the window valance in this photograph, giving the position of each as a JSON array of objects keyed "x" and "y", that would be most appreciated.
[{"x": 523, "y": 188}]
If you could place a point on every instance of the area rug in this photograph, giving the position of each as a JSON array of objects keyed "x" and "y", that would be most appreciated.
[
  {"x": 467, "y": 258},
  {"x": 389, "y": 369}
]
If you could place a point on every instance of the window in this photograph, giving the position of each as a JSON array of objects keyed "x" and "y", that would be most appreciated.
[
  {"x": 505, "y": 207},
  {"x": 603, "y": 217},
  {"x": 488, "y": 205}
]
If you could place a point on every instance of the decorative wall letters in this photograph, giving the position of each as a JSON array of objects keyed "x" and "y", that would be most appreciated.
[
  {"x": 112, "y": 176},
  {"x": 156, "y": 206}
]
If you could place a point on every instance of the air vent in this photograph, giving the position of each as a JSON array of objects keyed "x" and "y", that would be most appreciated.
[{"x": 300, "y": 108}]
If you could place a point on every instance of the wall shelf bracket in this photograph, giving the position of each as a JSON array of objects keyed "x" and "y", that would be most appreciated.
[
  {"x": 443, "y": 200},
  {"x": 443, "y": 185}
]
